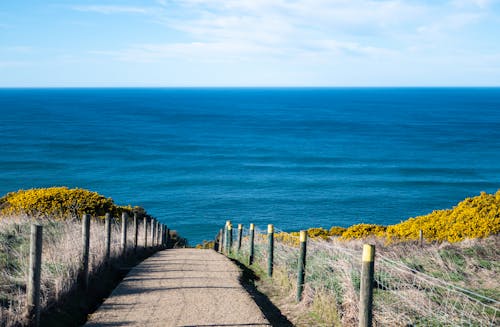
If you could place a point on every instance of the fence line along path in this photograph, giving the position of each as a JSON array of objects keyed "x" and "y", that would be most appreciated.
[{"x": 180, "y": 287}]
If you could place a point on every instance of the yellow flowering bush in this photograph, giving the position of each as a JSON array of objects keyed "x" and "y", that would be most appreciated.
[
  {"x": 472, "y": 218},
  {"x": 363, "y": 230},
  {"x": 61, "y": 202},
  {"x": 318, "y": 233},
  {"x": 290, "y": 239},
  {"x": 336, "y": 231}
]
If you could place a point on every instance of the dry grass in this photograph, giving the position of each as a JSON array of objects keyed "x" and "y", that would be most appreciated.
[
  {"x": 60, "y": 260},
  {"x": 438, "y": 285}
]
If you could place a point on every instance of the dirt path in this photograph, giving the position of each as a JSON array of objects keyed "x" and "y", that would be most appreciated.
[{"x": 180, "y": 287}]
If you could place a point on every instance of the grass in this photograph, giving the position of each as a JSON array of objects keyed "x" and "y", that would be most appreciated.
[
  {"x": 414, "y": 286},
  {"x": 60, "y": 263}
]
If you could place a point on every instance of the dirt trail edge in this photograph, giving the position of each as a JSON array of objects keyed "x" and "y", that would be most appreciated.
[{"x": 183, "y": 288}]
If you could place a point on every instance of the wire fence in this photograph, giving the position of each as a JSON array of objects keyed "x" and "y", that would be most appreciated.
[
  {"x": 61, "y": 259},
  {"x": 403, "y": 296}
]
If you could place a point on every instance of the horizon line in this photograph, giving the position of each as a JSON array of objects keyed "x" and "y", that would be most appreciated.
[{"x": 257, "y": 87}]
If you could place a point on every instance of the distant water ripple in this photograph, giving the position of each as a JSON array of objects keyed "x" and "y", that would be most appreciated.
[{"x": 294, "y": 157}]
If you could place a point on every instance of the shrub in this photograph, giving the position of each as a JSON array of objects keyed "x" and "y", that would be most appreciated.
[
  {"x": 472, "y": 218},
  {"x": 290, "y": 239},
  {"x": 318, "y": 233},
  {"x": 336, "y": 231},
  {"x": 60, "y": 203},
  {"x": 363, "y": 230}
]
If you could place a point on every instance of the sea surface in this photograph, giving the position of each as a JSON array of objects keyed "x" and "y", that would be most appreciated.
[{"x": 294, "y": 157}]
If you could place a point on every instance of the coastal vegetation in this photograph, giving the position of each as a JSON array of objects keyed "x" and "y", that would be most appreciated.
[
  {"x": 475, "y": 217},
  {"x": 454, "y": 270},
  {"x": 449, "y": 279},
  {"x": 59, "y": 211},
  {"x": 439, "y": 284},
  {"x": 62, "y": 203}
]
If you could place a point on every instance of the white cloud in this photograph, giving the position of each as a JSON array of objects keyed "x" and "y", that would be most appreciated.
[
  {"x": 194, "y": 51},
  {"x": 303, "y": 35}
]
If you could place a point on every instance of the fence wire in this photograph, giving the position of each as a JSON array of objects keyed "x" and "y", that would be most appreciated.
[
  {"x": 62, "y": 246},
  {"x": 403, "y": 296}
]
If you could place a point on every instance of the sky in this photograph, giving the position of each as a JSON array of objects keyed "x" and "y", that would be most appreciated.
[{"x": 165, "y": 43}]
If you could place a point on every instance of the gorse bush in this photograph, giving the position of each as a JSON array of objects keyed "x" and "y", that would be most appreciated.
[
  {"x": 318, "y": 233},
  {"x": 292, "y": 238},
  {"x": 474, "y": 217},
  {"x": 363, "y": 230},
  {"x": 336, "y": 231},
  {"x": 60, "y": 203}
]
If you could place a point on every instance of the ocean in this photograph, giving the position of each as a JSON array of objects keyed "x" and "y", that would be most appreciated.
[{"x": 294, "y": 157}]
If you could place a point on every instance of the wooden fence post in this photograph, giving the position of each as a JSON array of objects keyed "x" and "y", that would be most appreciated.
[
  {"x": 166, "y": 236},
  {"x": 223, "y": 244},
  {"x": 226, "y": 237},
  {"x": 136, "y": 231},
  {"x": 84, "y": 270},
  {"x": 160, "y": 236},
  {"x": 124, "y": 233},
  {"x": 145, "y": 222},
  {"x": 35, "y": 269},
  {"x": 366, "y": 287},
  {"x": 301, "y": 264},
  {"x": 155, "y": 234},
  {"x": 107, "y": 229},
  {"x": 270, "y": 250},
  {"x": 252, "y": 244},
  {"x": 167, "y": 230},
  {"x": 152, "y": 232},
  {"x": 216, "y": 241},
  {"x": 162, "y": 232},
  {"x": 421, "y": 238},
  {"x": 240, "y": 233},
  {"x": 158, "y": 233},
  {"x": 229, "y": 239},
  {"x": 221, "y": 236}
]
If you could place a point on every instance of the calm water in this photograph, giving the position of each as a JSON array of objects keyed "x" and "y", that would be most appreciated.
[{"x": 294, "y": 157}]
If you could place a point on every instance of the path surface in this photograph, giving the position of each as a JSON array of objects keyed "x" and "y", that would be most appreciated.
[{"x": 180, "y": 287}]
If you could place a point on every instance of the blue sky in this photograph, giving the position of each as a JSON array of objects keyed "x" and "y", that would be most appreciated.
[{"x": 250, "y": 43}]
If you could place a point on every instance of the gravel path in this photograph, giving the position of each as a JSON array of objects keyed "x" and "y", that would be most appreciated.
[{"x": 180, "y": 287}]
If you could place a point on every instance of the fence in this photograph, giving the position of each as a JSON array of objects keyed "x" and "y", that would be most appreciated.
[
  {"x": 361, "y": 287},
  {"x": 59, "y": 250}
]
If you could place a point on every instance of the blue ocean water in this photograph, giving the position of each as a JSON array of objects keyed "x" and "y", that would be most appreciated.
[{"x": 293, "y": 157}]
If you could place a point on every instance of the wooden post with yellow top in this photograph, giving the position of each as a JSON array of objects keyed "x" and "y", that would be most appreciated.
[
  {"x": 252, "y": 244},
  {"x": 221, "y": 240},
  {"x": 270, "y": 250},
  {"x": 124, "y": 233},
  {"x": 160, "y": 236},
  {"x": 136, "y": 231},
  {"x": 107, "y": 235},
  {"x": 240, "y": 233},
  {"x": 34, "y": 275},
  {"x": 366, "y": 287},
  {"x": 301, "y": 264},
  {"x": 229, "y": 238},
  {"x": 83, "y": 280},
  {"x": 158, "y": 233},
  {"x": 145, "y": 223},
  {"x": 226, "y": 236},
  {"x": 153, "y": 224}
]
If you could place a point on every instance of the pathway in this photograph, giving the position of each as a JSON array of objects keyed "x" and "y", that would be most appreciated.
[{"x": 183, "y": 288}]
